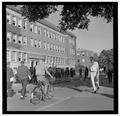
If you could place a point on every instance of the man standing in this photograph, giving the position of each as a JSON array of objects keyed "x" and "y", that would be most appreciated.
[
  {"x": 86, "y": 73},
  {"x": 40, "y": 73},
  {"x": 23, "y": 74},
  {"x": 94, "y": 74}
]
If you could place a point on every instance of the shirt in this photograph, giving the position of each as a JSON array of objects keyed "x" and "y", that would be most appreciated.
[
  {"x": 40, "y": 69},
  {"x": 94, "y": 67}
]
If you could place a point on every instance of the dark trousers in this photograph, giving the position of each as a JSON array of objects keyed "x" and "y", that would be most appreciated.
[
  {"x": 24, "y": 85},
  {"x": 110, "y": 76}
]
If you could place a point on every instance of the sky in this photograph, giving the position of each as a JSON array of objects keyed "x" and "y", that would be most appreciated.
[{"x": 99, "y": 35}]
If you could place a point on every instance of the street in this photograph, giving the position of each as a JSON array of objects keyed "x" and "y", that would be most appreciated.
[{"x": 67, "y": 97}]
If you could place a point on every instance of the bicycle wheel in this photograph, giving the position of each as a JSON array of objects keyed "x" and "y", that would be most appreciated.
[{"x": 36, "y": 95}]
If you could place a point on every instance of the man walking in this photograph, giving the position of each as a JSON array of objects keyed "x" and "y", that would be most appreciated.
[
  {"x": 94, "y": 74},
  {"x": 23, "y": 74}
]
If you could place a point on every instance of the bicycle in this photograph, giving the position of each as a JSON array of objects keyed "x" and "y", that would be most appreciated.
[{"x": 37, "y": 94}]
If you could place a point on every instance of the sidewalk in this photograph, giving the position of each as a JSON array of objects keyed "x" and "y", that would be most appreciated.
[{"x": 67, "y": 98}]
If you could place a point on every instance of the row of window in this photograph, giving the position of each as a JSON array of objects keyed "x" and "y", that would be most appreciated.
[
  {"x": 72, "y": 62},
  {"x": 16, "y": 56},
  {"x": 55, "y": 60},
  {"x": 11, "y": 37},
  {"x": 11, "y": 19},
  {"x": 52, "y": 47}
]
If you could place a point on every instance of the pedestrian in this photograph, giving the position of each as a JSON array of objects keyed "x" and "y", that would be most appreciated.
[
  {"x": 86, "y": 73},
  {"x": 10, "y": 75},
  {"x": 24, "y": 75},
  {"x": 80, "y": 72},
  {"x": 94, "y": 74},
  {"x": 40, "y": 73},
  {"x": 109, "y": 71}
]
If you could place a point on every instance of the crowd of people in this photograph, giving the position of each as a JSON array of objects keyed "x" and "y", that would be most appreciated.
[{"x": 49, "y": 75}]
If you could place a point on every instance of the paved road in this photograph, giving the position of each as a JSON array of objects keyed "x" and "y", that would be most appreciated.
[{"x": 67, "y": 97}]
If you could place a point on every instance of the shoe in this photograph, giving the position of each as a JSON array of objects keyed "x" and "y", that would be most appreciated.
[
  {"x": 94, "y": 92},
  {"x": 22, "y": 97}
]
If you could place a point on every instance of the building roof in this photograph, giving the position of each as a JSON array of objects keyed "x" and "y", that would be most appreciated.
[{"x": 44, "y": 22}]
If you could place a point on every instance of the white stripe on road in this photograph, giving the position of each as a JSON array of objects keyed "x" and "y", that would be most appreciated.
[{"x": 40, "y": 109}]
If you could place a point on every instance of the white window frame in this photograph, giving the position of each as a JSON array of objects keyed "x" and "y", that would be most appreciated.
[
  {"x": 25, "y": 24},
  {"x": 24, "y": 40},
  {"x": 15, "y": 20},
  {"x": 36, "y": 29},
  {"x": 8, "y": 18},
  {"x": 36, "y": 43},
  {"x": 20, "y": 23},
  {"x": 13, "y": 53},
  {"x": 20, "y": 39},
  {"x": 9, "y": 35},
  {"x": 48, "y": 34},
  {"x": 15, "y": 38},
  {"x": 39, "y": 44},
  {"x": 32, "y": 42},
  {"x": 31, "y": 27}
]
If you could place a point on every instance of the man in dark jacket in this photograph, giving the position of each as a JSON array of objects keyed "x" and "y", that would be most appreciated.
[{"x": 23, "y": 74}]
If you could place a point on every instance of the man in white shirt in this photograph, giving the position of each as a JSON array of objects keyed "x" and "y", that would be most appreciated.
[
  {"x": 94, "y": 74},
  {"x": 40, "y": 73}
]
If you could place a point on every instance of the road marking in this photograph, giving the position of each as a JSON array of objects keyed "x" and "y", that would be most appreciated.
[{"x": 53, "y": 104}]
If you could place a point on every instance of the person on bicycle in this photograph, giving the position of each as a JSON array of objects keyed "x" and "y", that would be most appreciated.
[{"x": 40, "y": 73}]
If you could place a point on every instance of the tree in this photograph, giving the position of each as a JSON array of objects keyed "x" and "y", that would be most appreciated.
[
  {"x": 106, "y": 58},
  {"x": 73, "y": 16}
]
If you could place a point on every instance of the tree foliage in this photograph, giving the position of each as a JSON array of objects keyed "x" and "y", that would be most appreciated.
[
  {"x": 106, "y": 58},
  {"x": 73, "y": 16}
]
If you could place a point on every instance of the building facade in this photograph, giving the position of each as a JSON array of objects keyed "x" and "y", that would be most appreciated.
[
  {"x": 83, "y": 57},
  {"x": 32, "y": 41}
]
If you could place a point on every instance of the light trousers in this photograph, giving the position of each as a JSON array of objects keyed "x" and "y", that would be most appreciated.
[{"x": 94, "y": 80}]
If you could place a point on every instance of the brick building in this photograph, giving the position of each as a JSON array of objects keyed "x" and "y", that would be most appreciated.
[{"x": 31, "y": 41}]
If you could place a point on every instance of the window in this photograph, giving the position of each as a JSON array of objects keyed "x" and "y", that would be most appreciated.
[
  {"x": 14, "y": 20},
  {"x": 25, "y": 57},
  {"x": 24, "y": 24},
  {"x": 13, "y": 56},
  {"x": 51, "y": 35},
  {"x": 19, "y": 56},
  {"x": 14, "y": 38},
  {"x": 36, "y": 43},
  {"x": 24, "y": 40},
  {"x": 45, "y": 33},
  {"x": 20, "y": 23},
  {"x": 8, "y": 55},
  {"x": 54, "y": 48},
  {"x": 39, "y": 30},
  {"x": 57, "y": 48},
  {"x": 8, "y": 19},
  {"x": 39, "y": 44},
  {"x": 45, "y": 45},
  {"x": 32, "y": 42},
  {"x": 48, "y": 35},
  {"x": 9, "y": 36},
  {"x": 20, "y": 39},
  {"x": 51, "y": 47},
  {"x": 36, "y": 29},
  {"x": 31, "y": 27},
  {"x": 54, "y": 36}
]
